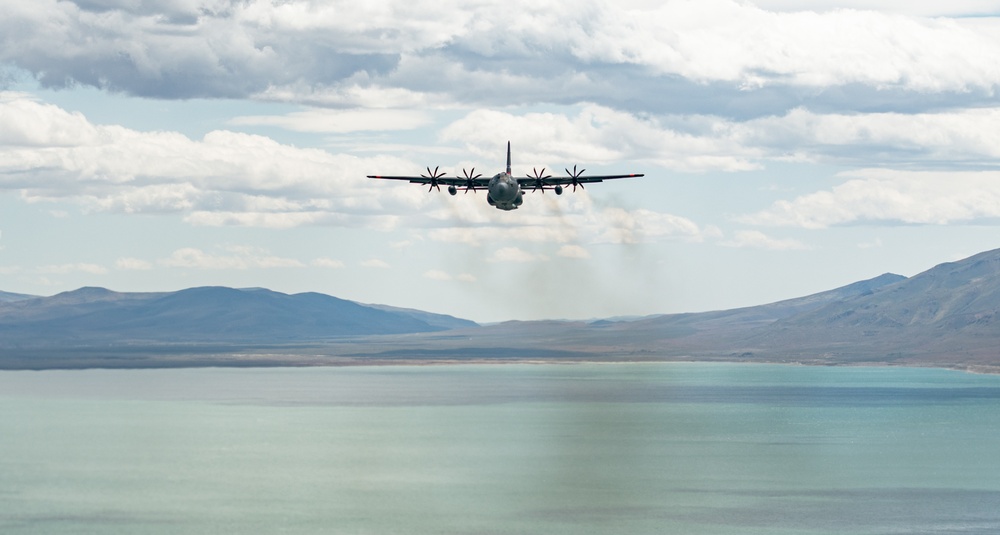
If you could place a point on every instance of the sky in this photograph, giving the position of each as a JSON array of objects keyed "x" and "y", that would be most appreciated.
[{"x": 788, "y": 148}]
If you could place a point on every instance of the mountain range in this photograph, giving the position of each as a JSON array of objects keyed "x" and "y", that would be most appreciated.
[
  {"x": 206, "y": 315},
  {"x": 947, "y": 316}
]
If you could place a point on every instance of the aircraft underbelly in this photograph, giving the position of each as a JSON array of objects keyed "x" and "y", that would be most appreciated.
[{"x": 504, "y": 192}]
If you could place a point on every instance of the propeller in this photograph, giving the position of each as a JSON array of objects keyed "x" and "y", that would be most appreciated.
[
  {"x": 539, "y": 177},
  {"x": 470, "y": 179},
  {"x": 433, "y": 175},
  {"x": 575, "y": 175}
]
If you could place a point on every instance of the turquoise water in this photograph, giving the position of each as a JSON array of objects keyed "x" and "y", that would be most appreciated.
[{"x": 501, "y": 449}]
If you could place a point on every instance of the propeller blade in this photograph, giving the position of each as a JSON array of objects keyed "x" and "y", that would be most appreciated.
[
  {"x": 575, "y": 175},
  {"x": 470, "y": 179},
  {"x": 539, "y": 179}
]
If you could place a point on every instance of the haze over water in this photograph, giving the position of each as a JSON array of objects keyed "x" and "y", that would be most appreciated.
[{"x": 589, "y": 448}]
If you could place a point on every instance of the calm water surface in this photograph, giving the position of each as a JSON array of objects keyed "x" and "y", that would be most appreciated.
[{"x": 501, "y": 449}]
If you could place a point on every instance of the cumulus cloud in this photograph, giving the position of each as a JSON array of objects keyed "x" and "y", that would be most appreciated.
[
  {"x": 599, "y": 135},
  {"x": 967, "y": 137},
  {"x": 924, "y": 8},
  {"x": 375, "y": 263},
  {"x": 570, "y": 218},
  {"x": 340, "y": 121},
  {"x": 133, "y": 264},
  {"x": 49, "y": 154},
  {"x": 881, "y": 195},
  {"x": 515, "y": 255},
  {"x": 236, "y": 257},
  {"x": 63, "y": 269},
  {"x": 635, "y": 226},
  {"x": 438, "y": 275},
  {"x": 758, "y": 240},
  {"x": 573, "y": 251},
  {"x": 327, "y": 263}
]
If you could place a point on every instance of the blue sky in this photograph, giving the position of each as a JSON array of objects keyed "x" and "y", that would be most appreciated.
[{"x": 154, "y": 146}]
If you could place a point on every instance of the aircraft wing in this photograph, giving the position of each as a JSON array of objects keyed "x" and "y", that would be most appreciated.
[
  {"x": 477, "y": 183},
  {"x": 547, "y": 182},
  {"x": 569, "y": 180}
]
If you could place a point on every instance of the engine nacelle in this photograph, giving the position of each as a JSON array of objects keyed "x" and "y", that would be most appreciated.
[
  {"x": 558, "y": 190},
  {"x": 452, "y": 190}
]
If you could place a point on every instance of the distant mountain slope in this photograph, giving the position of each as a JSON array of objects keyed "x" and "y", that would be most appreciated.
[
  {"x": 945, "y": 315},
  {"x": 761, "y": 315},
  {"x": 207, "y": 314},
  {"x": 955, "y": 295},
  {"x": 949, "y": 311},
  {"x": 8, "y": 297},
  {"x": 436, "y": 320}
]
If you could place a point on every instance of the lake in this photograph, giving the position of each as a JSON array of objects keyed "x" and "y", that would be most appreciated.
[{"x": 501, "y": 449}]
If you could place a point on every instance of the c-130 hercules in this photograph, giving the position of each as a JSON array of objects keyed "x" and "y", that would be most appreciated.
[{"x": 504, "y": 189}]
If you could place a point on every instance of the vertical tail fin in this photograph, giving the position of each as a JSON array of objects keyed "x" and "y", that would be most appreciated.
[{"x": 508, "y": 157}]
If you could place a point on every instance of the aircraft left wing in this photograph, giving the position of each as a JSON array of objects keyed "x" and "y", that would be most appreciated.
[
  {"x": 574, "y": 178},
  {"x": 569, "y": 180}
]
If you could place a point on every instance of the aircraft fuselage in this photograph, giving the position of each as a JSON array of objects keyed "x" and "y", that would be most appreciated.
[{"x": 504, "y": 192}]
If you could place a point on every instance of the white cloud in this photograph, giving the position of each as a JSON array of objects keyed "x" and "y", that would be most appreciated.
[
  {"x": 968, "y": 136},
  {"x": 515, "y": 255},
  {"x": 340, "y": 121},
  {"x": 375, "y": 263},
  {"x": 438, "y": 275},
  {"x": 573, "y": 251},
  {"x": 327, "y": 263},
  {"x": 874, "y": 244},
  {"x": 758, "y": 240},
  {"x": 133, "y": 264},
  {"x": 569, "y": 218},
  {"x": 225, "y": 178},
  {"x": 880, "y": 195},
  {"x": 923, "y": 8},
  {"x": 597, "y": 134},
  {"x": 636, "y": 226},
  {"x": 82, "y": 267},
  {"x": 239, "y": 258}
]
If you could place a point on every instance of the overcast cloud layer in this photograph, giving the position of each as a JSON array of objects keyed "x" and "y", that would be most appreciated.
[{"x": 659, "y": 58}]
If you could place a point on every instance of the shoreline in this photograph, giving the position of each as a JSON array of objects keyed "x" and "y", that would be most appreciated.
[{"x": 258, "y": 361}]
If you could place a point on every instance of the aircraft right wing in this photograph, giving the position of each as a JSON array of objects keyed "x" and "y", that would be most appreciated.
[{"x": 436, "y": 180}]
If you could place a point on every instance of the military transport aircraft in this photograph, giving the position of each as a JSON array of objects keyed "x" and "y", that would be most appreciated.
[{"x": 504, "y": 189}]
